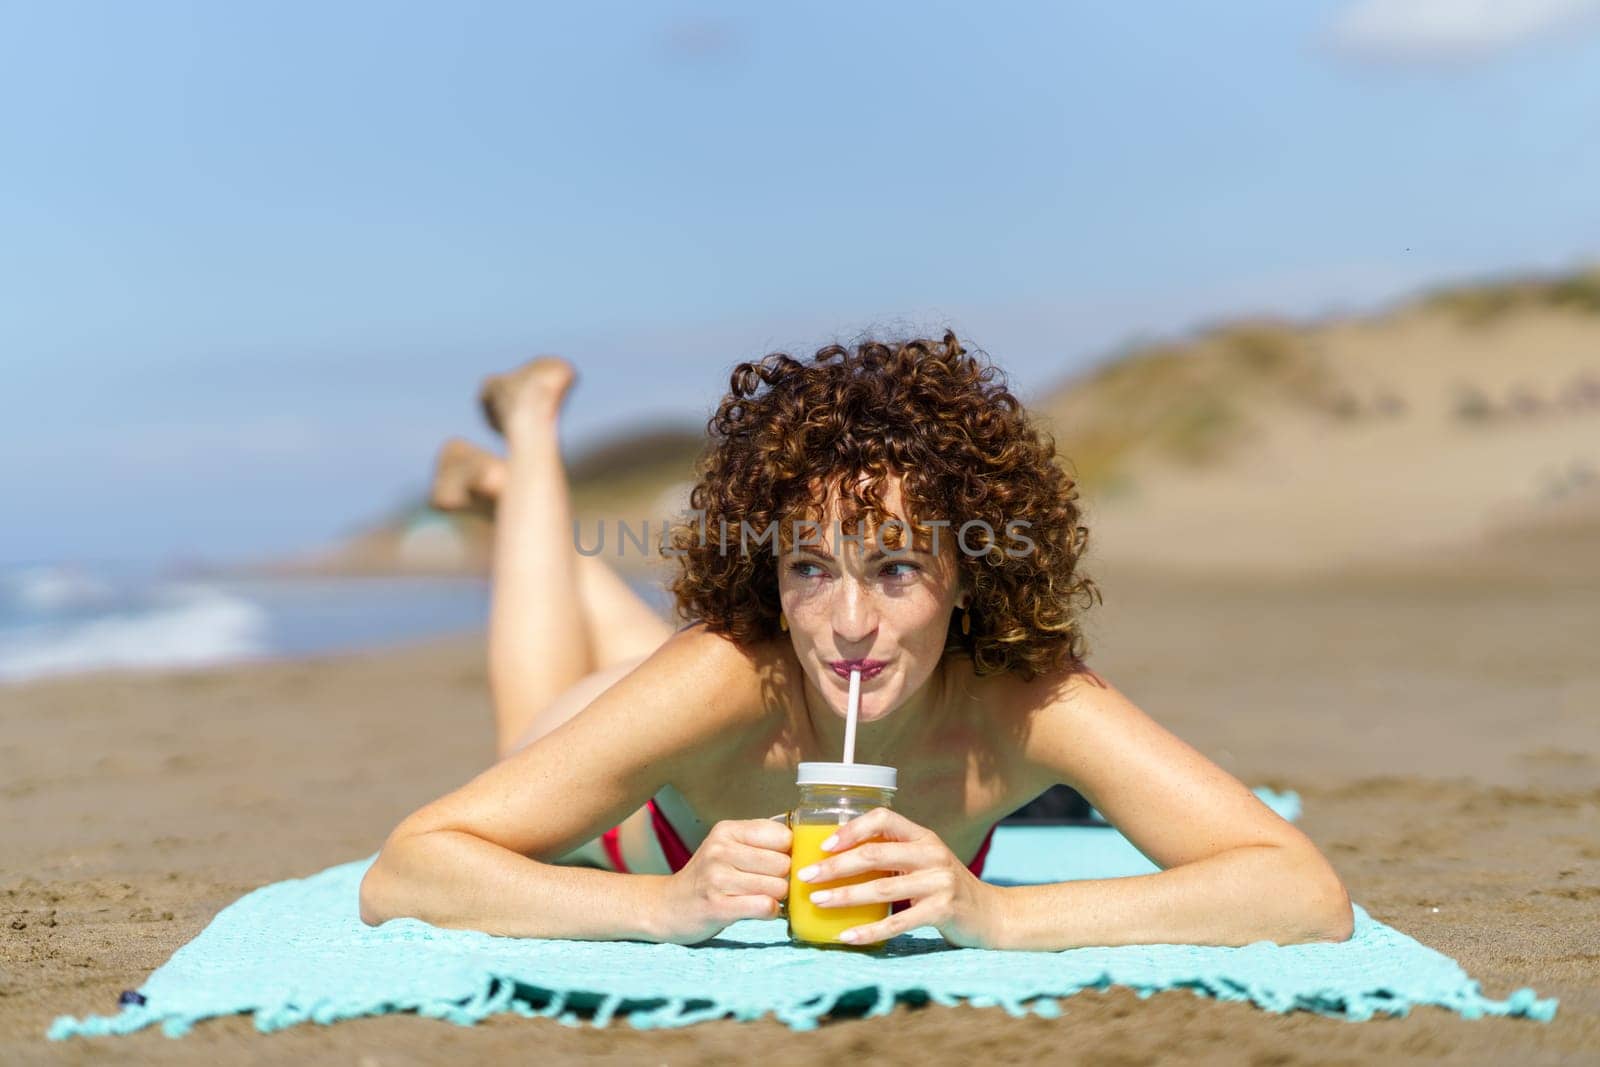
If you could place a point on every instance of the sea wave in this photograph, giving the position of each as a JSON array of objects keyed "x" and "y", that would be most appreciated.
[{"x": 187, "y": 625}]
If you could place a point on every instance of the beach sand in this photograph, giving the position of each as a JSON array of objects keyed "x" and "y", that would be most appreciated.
[{"x": 1444, "y": 733}]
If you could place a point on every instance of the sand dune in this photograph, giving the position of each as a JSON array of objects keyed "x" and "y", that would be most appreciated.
[
  {"x": 1405, "y": 440},
  {"x": 1461, "y": 424}
]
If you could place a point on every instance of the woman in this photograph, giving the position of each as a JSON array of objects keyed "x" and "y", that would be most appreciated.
[{"x": 637, "y": 764}]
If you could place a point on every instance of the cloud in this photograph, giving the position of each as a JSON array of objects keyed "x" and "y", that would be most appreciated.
[{"x": 1448, "y": 30}]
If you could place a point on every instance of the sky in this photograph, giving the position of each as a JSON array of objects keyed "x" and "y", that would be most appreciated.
[{"x": 255, "y": 257}]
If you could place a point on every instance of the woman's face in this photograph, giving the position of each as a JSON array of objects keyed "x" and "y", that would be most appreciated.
[{"x": 847, "y": 602}]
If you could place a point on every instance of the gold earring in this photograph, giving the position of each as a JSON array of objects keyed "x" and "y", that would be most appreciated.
[
  {"x": 783, "y": 623},
  {"x": 966, "y": 622}
]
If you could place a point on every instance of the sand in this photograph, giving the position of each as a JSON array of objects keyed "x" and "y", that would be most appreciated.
[{"x": 1442, "y": 732}]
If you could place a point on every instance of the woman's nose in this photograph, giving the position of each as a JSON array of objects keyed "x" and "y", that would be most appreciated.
[{"x": 854, "y": 615}]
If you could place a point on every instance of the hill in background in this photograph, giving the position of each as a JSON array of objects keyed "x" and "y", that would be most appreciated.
[
  {"x": 1460, "y": 428},
  {"x": 1462, "y": 421}
]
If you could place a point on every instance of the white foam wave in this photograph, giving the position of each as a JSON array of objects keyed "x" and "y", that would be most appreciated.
[{"x": 183, "y": 626}]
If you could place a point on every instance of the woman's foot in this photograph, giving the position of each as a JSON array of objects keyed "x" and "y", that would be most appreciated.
[
  {"x": 534, "y": 390},
  {"x": 466, "y": 478}
]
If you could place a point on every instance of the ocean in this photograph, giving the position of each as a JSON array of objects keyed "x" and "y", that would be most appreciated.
[{"x": 60, "y": 620}]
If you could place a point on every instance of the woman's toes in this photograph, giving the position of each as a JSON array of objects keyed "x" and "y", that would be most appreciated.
[
  {"x": 536, "y": 388},
  {"x": 457, "y": 473}
]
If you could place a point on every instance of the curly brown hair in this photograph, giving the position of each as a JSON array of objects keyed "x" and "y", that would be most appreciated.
[{"x": 943, "y": 421}]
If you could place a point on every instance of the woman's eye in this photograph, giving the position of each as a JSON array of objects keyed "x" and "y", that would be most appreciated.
[{"x": 813, "y": 570}]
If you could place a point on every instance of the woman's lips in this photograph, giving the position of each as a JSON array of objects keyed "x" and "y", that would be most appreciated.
[{"x": 869, "y": 668}]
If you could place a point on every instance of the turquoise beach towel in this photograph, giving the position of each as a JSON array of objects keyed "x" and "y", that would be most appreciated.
[{"x": 297, "y": 951}]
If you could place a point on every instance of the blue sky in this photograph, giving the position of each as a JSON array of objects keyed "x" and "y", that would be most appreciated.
[{"x": 257, "y": 255}]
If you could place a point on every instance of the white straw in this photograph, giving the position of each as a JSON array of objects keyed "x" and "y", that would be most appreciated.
[{"x": 850, "y": 717}]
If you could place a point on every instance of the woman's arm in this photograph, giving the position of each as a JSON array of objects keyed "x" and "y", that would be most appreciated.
[
  {"x": 479, "y": 858},
  {"x": 1233, "y": 871}
]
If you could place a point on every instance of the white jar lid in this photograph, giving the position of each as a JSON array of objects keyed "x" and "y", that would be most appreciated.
[{"x": 871, "y": 775}]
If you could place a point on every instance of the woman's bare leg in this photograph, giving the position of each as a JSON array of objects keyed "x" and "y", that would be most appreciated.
[
  {"x": 466, "y": 478},
  {"x": 622, "y": 627},
  {"x": 619, "y": 624},
  {"x": 538, "y": 643}
]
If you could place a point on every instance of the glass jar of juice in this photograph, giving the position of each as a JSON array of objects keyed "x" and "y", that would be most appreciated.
[{"x": 831, "y": 794}]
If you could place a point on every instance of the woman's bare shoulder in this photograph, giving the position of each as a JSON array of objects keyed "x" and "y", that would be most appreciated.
[
  {"x": 1010, "y": 690},
  {"x": 1015, "y": 703},
  {"x": 1063, "y": 683},
  {"x": 738, "y": 680}
]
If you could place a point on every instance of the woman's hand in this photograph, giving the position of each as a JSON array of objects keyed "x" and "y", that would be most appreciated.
[
  {"x": 740, "y": 871},
  {"x": 920, "y": 868}
]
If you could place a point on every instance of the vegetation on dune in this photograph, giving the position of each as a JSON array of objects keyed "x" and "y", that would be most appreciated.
[
  {"x": 1484, "y": 303},
  {"x": 671, "y": 445},
  {"x": 1193, "y": 401},
  {"x": 631, "y": 469},
  {"x": 1186, "y": 402}
]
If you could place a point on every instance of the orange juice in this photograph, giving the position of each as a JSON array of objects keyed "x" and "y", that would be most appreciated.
[{"x": 807, "y": 921}]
